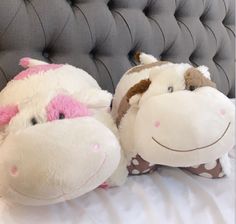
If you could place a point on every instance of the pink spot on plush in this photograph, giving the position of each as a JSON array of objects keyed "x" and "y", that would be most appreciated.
[
  {"x": 104, "y": 186},
  {"x": 222, "y": 112},
  {"x": 36, "y": 70},
  {"x": 157, "y": 124},
  {"x": 96, "y": 147},
  {"x": 14, "y": 171},
  {"x": 65, "y": 107},
  {"x": 7, "y": 113}
]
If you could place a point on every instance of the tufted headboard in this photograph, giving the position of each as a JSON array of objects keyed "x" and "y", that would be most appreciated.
[{"x": 101, "y": 36}]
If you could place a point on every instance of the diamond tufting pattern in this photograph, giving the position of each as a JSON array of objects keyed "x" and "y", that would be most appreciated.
[{"x": 101, "y": 36}]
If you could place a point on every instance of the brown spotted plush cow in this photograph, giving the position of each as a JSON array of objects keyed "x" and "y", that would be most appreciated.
[{"x": 172, "y": 114}]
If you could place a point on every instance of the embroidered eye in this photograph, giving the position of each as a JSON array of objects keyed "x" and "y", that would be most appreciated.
[
  {"x": 33, "y": 121},
  {"x": 170, "y": 89},
  {"x": 191, "y": 88},
  {"x": 61, "y": 116}
]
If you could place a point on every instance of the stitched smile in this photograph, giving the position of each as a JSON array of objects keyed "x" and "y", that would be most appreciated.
[{"x": 198, "y": 148}]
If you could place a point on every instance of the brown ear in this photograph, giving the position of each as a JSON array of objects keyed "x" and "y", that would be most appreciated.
[
  {"x": 195, "y": 79},
  {"x": 138, "y": 88}
]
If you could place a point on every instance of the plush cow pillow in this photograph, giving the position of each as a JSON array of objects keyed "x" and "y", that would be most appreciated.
[
  {"x": 57, "y": 138},
  {"x": 172, "y": 114}
]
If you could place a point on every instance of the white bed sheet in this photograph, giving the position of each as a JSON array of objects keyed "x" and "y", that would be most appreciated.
[{"x": 169, "y": 196}]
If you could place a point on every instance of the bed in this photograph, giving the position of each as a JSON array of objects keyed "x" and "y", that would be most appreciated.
[{"x": 101, "y": 37}]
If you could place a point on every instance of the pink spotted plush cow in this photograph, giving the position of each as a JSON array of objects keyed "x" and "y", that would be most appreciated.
[{"x": 57, "y": 138}]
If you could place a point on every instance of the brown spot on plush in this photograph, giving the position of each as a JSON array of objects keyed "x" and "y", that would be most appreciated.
[
  {"x": 137, "y": 56},
  {"x": 123, "y": 108},
  {"x": 138, "y": 88},
  {"x": 195, "y": 79},
  {"x": 213, "y": 171},
  {"x": 139, "y": 166},
  {"x": 139, "y": 68}
]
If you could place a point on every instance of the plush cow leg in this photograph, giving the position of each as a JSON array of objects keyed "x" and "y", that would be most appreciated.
[
  {"x": 139, "y": 166},
  {"x": 214, "y": 169}
]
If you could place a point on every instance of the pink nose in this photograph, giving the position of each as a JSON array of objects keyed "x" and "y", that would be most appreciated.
[
  {"x": 222, "y": 112},
  {"x": 157, "y": 124},
  {"x": 14, "y": 171},
  {"x": 95, "y": 147},
  {"x": 64, "y": 106}
]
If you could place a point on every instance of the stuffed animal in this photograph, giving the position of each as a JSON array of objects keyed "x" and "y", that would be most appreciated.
[
  {"x": 172, "y": 114},
  {"x": 57, "y": 138}
]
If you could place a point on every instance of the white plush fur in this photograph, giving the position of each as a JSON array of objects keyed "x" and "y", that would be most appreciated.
[
  {"x": 118, "y": 178},
  {"x": 225, "y": 163},
  {"x": 146, "y": 58},
  {"x": 126, "y": 130},
  {"x": 204, "y": 70},
  {"x": 188, "y": 121},
  {"x": 31, "y": 62},
  {"x": 66, "y": 78},
  {"x": 162, "y": 78},
  {"x": 63, "y": 159},
  {"x": 54, "y": 165},
  {"x": 94, "y": 98},
  {"x": 163, "y": 73}
]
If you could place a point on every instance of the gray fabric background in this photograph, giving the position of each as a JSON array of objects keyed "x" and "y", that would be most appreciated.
[{"x": 101, "y": 36}]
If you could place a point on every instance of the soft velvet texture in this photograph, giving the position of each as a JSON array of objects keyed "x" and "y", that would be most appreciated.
[{"x": 101, "y": 36}]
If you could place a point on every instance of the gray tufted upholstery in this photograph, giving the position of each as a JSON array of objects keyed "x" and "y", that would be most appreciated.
[{"x": 101, "y": 36}]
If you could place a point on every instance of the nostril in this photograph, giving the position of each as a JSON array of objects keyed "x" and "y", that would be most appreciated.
[
  {"x": 14, "y": 171},
  {"x": 104, "y": 186},
  {"x": 157, "y": 124},
  {"x": 222, "y": 111},
  {"x": 95, "y": 147}
]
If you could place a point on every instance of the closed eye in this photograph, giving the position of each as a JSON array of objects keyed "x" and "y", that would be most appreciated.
[
  {"x": 33, "y": 121},
  {"x": 61, "y": 116},
  {"x": 170, "y": 89}
]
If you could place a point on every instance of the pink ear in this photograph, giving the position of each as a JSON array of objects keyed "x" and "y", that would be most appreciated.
[
  {"x": 24, "y": 62},
  {"x": 7, "y": 113},
  {"x": 30, "y": 62},
  {"x": 35, "y": 69}
]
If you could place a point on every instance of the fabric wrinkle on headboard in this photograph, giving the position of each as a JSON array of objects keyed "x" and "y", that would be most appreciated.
[{"x": 101, "y": 36}]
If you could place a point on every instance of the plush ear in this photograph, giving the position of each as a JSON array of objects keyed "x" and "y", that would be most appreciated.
[
  {"x": 7, "y": 113},
  {"x": 132, "y": 97},
  {"x": 135, "y": 92},
  {"x": 143, "y": 58},
  {"x": 95, "y": 98},
  {"x": 194, "y": 78},
  {"x": 205, "y": 71},
  {"x": 30, "y": 62}
]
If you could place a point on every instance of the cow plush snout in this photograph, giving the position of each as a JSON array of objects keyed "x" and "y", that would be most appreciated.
[
  {"x": 40, "y": 164},
  {"x": 192, "y": 131}
]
